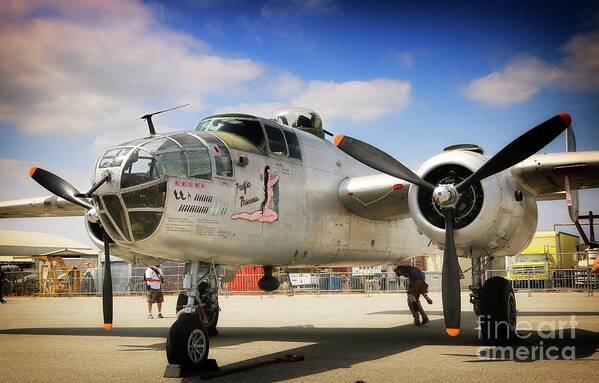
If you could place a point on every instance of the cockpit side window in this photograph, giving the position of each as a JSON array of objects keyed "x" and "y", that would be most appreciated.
[
  {"x": 276, "y": 140},
  {"x": 222, "y": 157},
  {"x": 293, "y": 145},
  {"x": 246, "y": 128}
]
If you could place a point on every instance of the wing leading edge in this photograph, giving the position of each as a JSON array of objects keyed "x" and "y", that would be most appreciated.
[
  {"x": 50, "y": 206},
  {"x": 542, "y": 175}
]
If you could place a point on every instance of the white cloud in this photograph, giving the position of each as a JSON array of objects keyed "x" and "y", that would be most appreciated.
[
  {"x": 79, "y": 66},
  {"x": 285, "y": 85},
  {"x": 581, "y": 65},
  {"x": 516, "y": 83},
  {"x": 361, "y": 101},
  {"x": 16, "y": 183},
  {"x": 258, "y": 109},
  {"x": 522, "y": 78},
  {"x": 355, "y": 100}
]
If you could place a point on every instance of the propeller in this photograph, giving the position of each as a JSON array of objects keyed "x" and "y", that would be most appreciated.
[
  {"x": 447, "y": 195},
  {"x": 58, "y": 186}
]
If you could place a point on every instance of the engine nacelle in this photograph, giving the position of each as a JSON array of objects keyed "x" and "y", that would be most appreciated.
[{"x": 493, "y": 217}]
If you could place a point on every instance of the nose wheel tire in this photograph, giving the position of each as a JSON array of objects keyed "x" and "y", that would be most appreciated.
[
  {"x": 498, "y": 314},
  {"x": 187, "y": 343}
]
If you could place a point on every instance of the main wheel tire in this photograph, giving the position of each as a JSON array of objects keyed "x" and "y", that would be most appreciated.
[
  {"x": 211, "y": 314},
  {"x": 187, "y": 343},
  {"x": 498, "y": 310}
]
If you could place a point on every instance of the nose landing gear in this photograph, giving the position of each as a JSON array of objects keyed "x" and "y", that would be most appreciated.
[{"x": 197, "y": 309}]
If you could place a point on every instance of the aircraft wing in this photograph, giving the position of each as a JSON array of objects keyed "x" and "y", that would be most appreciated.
[
  {"x": 51, "y": 206},
  {"x": 542, "y": 175},
  {"x": 377, "y": 197}
]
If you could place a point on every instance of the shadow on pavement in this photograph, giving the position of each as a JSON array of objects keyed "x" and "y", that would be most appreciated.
[{"x": 334, "y": 348}]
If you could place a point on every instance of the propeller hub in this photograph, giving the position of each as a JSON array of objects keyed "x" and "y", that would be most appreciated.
[
  {"x": 92, "y": 215},
  {"x": 446, "y": 195}
]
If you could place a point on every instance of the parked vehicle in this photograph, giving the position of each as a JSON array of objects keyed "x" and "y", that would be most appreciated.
[
  {"x": 584, "y": 277},
  {"x": 540, "y": 264}
]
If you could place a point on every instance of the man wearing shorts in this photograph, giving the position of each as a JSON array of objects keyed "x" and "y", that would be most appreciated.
[
  {"x": 154, "y": 278},
  {"x": 416, "y": 287}
]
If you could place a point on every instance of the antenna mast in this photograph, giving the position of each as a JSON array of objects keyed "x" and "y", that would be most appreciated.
[{"x": 148, "y": 118}]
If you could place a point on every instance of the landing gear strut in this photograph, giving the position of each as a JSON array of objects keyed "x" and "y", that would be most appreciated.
[
  {"x": 197, "y": 316},
  {"x": 494, "y": 303}
]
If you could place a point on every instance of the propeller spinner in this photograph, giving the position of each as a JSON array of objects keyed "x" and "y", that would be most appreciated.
[{"x": 446, "y": 196}]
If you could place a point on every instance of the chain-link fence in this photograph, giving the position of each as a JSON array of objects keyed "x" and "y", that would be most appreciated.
[
  {"x": 90, "y": 282},
  {"x": 579, "y": 279}
]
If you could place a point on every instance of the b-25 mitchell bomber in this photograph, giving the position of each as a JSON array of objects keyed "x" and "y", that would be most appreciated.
[{"x": 245, "y": 190}]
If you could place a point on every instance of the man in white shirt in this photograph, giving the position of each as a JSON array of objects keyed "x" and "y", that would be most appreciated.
[{"x": 154, "y": 278}]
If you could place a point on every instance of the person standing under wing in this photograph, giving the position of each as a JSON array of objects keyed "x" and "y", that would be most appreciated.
[
  {"x": 154, "y": 278},
  {"x": 416, "y": 287}
]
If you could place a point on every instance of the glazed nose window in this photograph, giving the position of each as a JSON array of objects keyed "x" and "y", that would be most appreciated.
[{"x": 140, "y": 168}]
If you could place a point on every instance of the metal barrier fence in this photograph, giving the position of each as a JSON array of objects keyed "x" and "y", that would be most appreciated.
[
  {"x": 314, "y": 283},
  {"x": 556, "y": 279}
]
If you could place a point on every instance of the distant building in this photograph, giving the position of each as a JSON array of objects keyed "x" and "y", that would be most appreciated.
[{"x": 21, "y": 247}]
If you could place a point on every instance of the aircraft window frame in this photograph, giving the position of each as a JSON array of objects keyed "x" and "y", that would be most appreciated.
[
  {"x": 206, "y": 125},
  {"x": 147, "y": 155},
  {"x": 298, "y": 146},
  {"x": 221, "y": 145},
  {"x": 156, "y": 220},
  {"x": 113, "y": 158},
  {"x": 268, "y": 138},
  {"x": 175, "y": 147},
  {"x": 189, "y": 148},
  {"x": 119, "y": 209}
]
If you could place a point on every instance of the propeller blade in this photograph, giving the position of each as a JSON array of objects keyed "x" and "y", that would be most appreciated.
[
  {"x": 520, "y": 149},
  {"x": 451, "y": 279},
  {"x": 56, "y": 185},
  {"x": 379, "y": 160},
  {"x": 107, "y": 285}
]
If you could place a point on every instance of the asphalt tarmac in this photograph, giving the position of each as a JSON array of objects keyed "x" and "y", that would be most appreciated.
[{"x": 344, "y": 338}]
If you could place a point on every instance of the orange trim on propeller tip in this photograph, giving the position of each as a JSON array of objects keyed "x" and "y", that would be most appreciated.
[
  {"x": 453, "y": 331},
  {"x": 566, "y": 118},
  {"x": 32, "y": 170},
  {"x": 107, "y": 326},
  {"x": 338, "y": 138}
]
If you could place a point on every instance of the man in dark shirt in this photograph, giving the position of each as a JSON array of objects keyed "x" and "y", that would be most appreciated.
[
  {"x": 2, "y": 280},
  {"x": 416, "y": 287}
]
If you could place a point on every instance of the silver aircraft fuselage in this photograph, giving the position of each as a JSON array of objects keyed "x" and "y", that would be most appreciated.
[{"x": 273, "y": 210}]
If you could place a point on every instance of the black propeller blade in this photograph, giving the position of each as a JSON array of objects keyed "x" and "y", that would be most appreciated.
[
  {"x": 107, "y": 285},
  {"x": 451, "y": 279},
  {"x": 379, "y": 160},
  {"x": 447, "y": 196},
  {"x": 520, "y": 149},
  {"x": 63, "y": 189},
  {"x": 56, "y": 185}
]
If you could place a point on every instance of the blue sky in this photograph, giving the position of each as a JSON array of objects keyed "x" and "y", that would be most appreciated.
[{"x": 409, "y": 77}]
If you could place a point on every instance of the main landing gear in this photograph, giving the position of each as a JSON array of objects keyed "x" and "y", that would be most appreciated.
[
  {"x": 495, "y": 305},
  {"x": 197, "y": 316}
]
